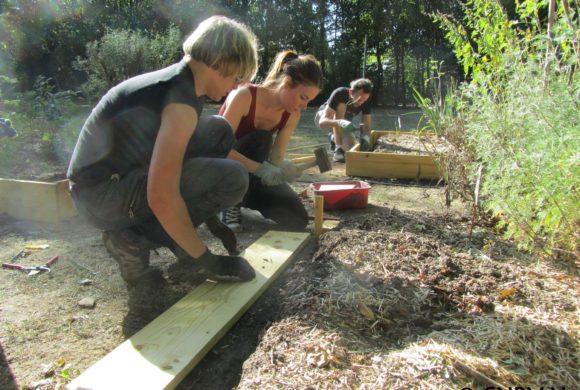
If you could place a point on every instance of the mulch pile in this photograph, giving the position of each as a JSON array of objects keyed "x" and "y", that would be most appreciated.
[{"x": 404, "y": 300}]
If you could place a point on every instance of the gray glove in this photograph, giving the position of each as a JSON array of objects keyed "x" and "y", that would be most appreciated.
[
  {"x": 270, "y": 174},
  {"x": 290, "y": 171},
  {"x": 347, "y": 126}
]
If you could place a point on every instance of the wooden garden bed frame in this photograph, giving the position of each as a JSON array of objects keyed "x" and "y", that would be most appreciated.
[
  {"x": 36, "y": 200},
  {"x": 390, "y": 165}
]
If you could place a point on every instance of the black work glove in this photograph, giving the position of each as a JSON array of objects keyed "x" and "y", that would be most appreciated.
[{"x": 226, "y": 268}]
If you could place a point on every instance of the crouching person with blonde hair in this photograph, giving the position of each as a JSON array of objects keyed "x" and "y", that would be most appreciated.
[{"x": 148, "y": 169}]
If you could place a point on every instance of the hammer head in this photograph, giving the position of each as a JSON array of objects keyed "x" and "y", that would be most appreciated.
[{"x": 322, "y": 159}]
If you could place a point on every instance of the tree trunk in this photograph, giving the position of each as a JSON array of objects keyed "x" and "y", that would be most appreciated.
[
  {"x": 379, "y": 85},
  {"x": 403, "y": 97},
  {"x": 396, "y": 92}
]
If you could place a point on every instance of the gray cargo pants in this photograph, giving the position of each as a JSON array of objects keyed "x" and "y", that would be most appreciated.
[{"x": 209, "y": 183}]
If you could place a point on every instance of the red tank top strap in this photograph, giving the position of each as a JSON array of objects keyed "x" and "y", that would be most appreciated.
[
  {"x": 282, "y": 122},
  {"x": 250, "y": 118}
]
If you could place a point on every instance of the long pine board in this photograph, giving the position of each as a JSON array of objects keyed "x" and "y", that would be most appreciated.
[{"x": 161, "y": 354}]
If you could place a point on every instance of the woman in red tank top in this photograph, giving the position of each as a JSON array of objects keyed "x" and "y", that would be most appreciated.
[{"x": 264, "y": 117}]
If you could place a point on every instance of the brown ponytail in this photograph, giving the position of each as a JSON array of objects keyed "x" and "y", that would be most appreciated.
[{"x": 302, "y": 69}]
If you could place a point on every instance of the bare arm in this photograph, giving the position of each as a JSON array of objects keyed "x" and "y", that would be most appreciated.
[
  {"x": 330, "y": 117},
  {"x": 283, "y": 139},
  {"x": 237, "y": 106},
  {"x": 178, "y": 122}
]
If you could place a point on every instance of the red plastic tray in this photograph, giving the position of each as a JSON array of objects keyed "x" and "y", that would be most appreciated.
[{"x": 343, "y": 194}]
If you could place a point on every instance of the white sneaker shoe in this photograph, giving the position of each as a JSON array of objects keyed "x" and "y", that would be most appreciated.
[{"x": 233, "y": 218}]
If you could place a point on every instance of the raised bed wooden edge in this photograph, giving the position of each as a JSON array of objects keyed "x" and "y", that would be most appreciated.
[
  {"x": 389, "y": 165},
  {"x": 36, "y": 200}
]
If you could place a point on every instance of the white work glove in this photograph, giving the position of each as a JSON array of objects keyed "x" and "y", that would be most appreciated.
[
  {"x": 270, "y": 174},
  {"x": 346, "y": 126},
  {"x": 290, "y": 171}
]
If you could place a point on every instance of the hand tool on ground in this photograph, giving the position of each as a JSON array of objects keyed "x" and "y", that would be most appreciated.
[
  {"x": 32, "y": 270},
  {"x": 319, "y": 159},
  {"x": 22, "y": 253}
]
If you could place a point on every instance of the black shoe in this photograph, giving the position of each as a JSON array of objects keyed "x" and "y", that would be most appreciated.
[
  {"x": 332, "y": 143},
  {"x": 338, "y": 155},
  {"x": 131, "y": 252},
  {"x": 224, "y": 233}
]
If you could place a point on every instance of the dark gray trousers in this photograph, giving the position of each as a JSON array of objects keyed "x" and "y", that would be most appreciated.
[
  {"x": 279, "y": 203},
  {"x": 209, "y": 183}
]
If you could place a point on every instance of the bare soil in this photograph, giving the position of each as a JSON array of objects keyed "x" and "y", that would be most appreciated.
[
  {"x": 410, "y": 144},
  {"x": 402, "y": 294}
]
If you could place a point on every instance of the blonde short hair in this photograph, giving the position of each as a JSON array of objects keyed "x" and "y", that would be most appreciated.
[{"x": 225, "y": 45}]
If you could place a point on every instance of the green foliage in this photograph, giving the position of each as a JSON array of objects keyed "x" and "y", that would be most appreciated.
[
  {"x": 528, "y": 142},
  {"x": 485, "y": 42},
  {"x": 517, "y": 120},
  {"x": 121, "y": 54},
  {"x": 48, "y": 102},
  {"x": 438, "y": 111}
]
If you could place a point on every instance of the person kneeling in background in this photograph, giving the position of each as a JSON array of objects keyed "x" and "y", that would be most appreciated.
[{"x": 337, "y": 115}]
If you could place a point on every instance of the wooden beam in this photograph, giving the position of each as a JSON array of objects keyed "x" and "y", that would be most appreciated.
[
  {"x": 160, "y": 355},
  {"x": 318, "y": 213},
  {"x": 390, "y": 165},
  {"x": 36, "y": 200}
]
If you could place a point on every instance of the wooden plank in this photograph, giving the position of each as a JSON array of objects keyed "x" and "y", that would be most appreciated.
[
  {"x": 64, "y": 202},
  {"x": 318, "y": 212},
  {"x": 36, "y": 200},
  {"x": 32, "y": 200},
  {"x": 389, "y": 165},
  {"x": 161, "y": 354}
]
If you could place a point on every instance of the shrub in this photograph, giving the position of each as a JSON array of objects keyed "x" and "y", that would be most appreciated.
[
  {"x": 121, "y": 54},
  {"x": 517, "y": 121}
]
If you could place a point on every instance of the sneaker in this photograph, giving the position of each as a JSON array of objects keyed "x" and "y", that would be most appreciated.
[
  {"x": 226, "y": 235},
  {"x": 131, "y": 252},
  {"x": 338, "y": 155},
  {"x": 332, "y": 143},
  {"x": 232, "y": 217}
]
